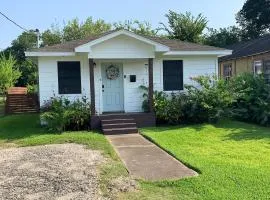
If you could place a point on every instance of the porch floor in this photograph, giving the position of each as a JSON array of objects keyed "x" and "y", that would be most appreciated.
[{"x": 145, "y": 160}]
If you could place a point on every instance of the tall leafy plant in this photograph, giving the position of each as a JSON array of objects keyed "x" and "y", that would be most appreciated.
[
  {"x": 252, "y": 95},
  {"x": 9, "y": 74},
  {"x": 185, "y": 26},
  {"x": 208, "y": 99},
  {"x": 61, "y": 114}
]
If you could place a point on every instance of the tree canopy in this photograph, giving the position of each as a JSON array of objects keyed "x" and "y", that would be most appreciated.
[
  {"x": 222, "y": 37},
  {"x": 74, "y": 30},
  {"x": 185, "y": 27},
  {"x": 254, "y": 18},
  {"x": 143, "y": 28}
]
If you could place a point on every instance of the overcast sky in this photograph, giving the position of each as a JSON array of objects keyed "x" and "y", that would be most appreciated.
[{"x": 41, "y": 14}]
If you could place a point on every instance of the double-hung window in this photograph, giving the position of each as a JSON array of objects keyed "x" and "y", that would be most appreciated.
[
  {"x": 258, "y": 67},
  {"x": 227, "y": 71}
]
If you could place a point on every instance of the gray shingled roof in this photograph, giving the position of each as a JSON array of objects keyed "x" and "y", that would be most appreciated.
[
  {"x": 174, "y": 45},
  {"x": 245, "y": 49}
]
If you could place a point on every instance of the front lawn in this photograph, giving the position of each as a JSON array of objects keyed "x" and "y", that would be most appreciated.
[
  {"x": 233, "y": 160},
  {"x": 24, "y": 130},
  {"x": 2, "y": 106}
]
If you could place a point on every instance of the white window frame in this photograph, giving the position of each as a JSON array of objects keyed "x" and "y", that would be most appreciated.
[
  {"x": 257, "y": 63},
  {"x": 227, "y": 77}
]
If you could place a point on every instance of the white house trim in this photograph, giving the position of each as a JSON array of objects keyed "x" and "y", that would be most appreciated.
[
  {"x": 185, "y": 53},
  {"x": 36, "y": 53},
  {"x": 87, "y": 47}
]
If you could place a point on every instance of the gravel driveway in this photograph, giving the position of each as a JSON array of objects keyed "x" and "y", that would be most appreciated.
[{"x": 60, "y": 171}]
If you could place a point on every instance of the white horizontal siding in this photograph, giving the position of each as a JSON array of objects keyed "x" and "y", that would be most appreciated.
[
  {"x": 122, "y": 47},
  {"x": 48, "y": 78},
  {"x": 133, "y": 96},
  {"x": 192, "y": 66}
]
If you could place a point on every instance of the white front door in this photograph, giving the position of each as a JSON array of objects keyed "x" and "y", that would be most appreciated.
[{"x": 112, "y": 87}]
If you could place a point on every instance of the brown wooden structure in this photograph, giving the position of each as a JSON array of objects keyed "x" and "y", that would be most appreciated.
[{"x": 18, "y": 101}]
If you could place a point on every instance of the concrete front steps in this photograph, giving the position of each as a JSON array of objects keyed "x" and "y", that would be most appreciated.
[{"x": 118, "y": 124}]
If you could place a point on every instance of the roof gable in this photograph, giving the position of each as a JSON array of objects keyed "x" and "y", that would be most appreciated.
[{"x": 86, "y": 47}]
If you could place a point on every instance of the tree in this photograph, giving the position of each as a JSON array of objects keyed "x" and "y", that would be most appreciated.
[
  {"x": 254, "y": 18},
  {"x": 28, "y": 69},
  {"x": 9, "y": 74},
  {"x": 27, "y": 40},
  {"x": 51, "y": 37},
  {"x": 143, "y": 28},
  {"x": 90, "y": 27},
  {"x": 185, "y": 27},
  {"x": 222, "y": 37},
  {"x": 74, "y": 30}
]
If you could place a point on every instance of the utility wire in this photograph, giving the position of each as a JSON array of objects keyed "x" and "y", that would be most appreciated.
[
  {"x": 13, "y": 22},
  {"x": 21, "y": 27}
]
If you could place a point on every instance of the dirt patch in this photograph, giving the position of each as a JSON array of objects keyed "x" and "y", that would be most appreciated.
[
  {"x": 123, "y": 184},
  {"x": 62, "y": 171}
]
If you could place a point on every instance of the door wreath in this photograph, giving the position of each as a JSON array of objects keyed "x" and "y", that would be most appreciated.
[{"x": 112, "y": 72}]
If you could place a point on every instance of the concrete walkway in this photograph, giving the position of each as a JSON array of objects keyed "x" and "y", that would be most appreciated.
[{"x": 145, "y": 160}]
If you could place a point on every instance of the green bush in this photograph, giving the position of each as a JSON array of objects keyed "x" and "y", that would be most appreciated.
[
  {"x": 169, "y": 108},
  {"x": 60, "y": 114},
  {"x": 32, "y": 89},
  {"x": 252, "y": 99},
  {"x": 209, "y": 100}
]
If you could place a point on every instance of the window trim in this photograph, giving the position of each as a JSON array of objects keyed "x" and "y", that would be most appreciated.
[
  {"x": 58, "y": 80},
  {"x": 231, "y": 72},
  {"x": 254, "y": 66},
  {"x": 162, "y": 75}
]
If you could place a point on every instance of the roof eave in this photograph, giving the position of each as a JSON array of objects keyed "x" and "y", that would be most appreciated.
[
  {"x": 48, "y": 53},
  {"x": 212, "y": 52}
]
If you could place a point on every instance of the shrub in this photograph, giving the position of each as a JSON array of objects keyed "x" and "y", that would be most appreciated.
[
  {"x": 209, "y": 101},
  {"x": 168, "y": 107},
  {"x": 32, "y": 89},
  {"x": 60, "y": 114},
  {"x": 9, "y": 73},
  {"x": 252, "y": 99}
]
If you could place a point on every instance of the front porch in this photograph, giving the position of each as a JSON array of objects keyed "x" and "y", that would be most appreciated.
[{"x": 120, "y": 98}]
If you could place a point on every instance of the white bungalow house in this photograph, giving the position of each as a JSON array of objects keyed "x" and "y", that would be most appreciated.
[{"x": 109, "y": 68}]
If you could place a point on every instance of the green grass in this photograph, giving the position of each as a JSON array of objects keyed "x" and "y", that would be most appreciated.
[
  {"x": 25, "y": 130},
  {"x": 2, "y": 106},
  {"x": 233, "y": 160}
]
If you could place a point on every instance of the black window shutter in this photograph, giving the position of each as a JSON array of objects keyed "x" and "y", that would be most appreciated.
[
  {"x": 69, "y": 77},
  {"x": 173, "y": 75}
]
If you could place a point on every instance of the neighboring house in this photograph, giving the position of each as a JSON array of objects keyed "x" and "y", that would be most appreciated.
[
  {"x": 109, "y": 69},
  {"x": 252, "y": 56}
]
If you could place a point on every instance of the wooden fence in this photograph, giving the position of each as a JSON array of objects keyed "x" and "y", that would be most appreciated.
[{"x": 18, "y": 101}]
